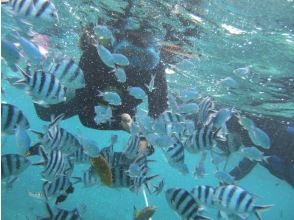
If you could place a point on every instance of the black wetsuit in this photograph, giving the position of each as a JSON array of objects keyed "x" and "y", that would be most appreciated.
[
  {"x": 281, "y": 160},
  {"x": 98, "y": 77}
]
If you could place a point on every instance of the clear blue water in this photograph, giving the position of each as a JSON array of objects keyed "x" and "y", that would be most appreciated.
[{"x": 264, "y": 39}]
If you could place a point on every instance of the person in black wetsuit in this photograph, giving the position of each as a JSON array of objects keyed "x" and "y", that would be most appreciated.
[
  {"x": 98, "y": 77},
  {"x": 281, "y": 153}
]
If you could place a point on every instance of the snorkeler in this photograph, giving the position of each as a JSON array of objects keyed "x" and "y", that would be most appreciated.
[
  {"x": 145, "y": 63},
  {"x": 279, "y": 157}
]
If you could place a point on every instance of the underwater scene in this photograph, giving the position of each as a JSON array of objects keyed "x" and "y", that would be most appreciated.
[{"x": 147, "y": 110}]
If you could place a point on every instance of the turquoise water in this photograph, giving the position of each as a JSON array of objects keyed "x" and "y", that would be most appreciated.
[{"x": 263, "y": 38}]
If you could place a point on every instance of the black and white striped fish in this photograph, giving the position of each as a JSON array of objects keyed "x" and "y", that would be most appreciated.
[
  {"x": 176, "y": 157},
  {"x": 12, "y": 165},
  {"x": 54, "y": 164},
  {"x": 57, "y": 187},
  {"x": 174, "y": 122},
  {"x": 89, "y": 178},
  {"x": 40, "y": 9},
  {"x": 234, "y": 199},
  {"x": 68, "y": 73},
  {"x": 120, "y": 178},
  {"x": 132, "y": 148},
  {"x": 62, "y": 214},
  {"x": 184, "y": 204},
  {"x": 79, "y": 156},
  {"x": 11, "y": 117},
  {"x": 203, "y": 138},
  {"x": 138, "y": 167},
  {"x": 206, "y": 106},
  {"x": 44, "y": 88},
  {"x": 139, "y": 181},
  {"x": 204, "y": 195},
  {"x": 58, "y": 138}
]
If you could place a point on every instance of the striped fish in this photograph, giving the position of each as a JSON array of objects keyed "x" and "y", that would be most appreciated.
[
  {"x": 58, "y": 138},
  {"x": 204, "y": 195},
  {"x": 132, "y": 148},
  {"x": 120, "y": 177},
  {"x": 203, "y": 138},
  {"x": 13, "y": 164},
  {"x": 11, "y": 117},
  {"x": 89, "y": 178},
  {"x": 183, "y": 203},
  {"x": 57, "y": 187},
  {"x": 62, "y": 214},
  {"x": 234, "y": 199},
  {"x": 68, "y": 73},
  {"x": 54, "y": 164},
  {"x": 139, "y": 181},
  {"x": 138, "y": 167},
  {"x": 174, "y": 122},
  {"x": 206, "y": 106},
  {"x": 39, "y": 9},
  {"x": 175, "y": 156},
  {"x": 44, "y": 88},
  {"x": 79, "y": 156}
]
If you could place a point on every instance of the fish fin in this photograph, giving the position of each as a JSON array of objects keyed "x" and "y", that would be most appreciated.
[
  {"x": 49, "y": 210},
  {"x": 33, "y": 150},
  {"x": 76, "y": 179},
  {"x": 20, "y": 82},
  {"x": 44, "y": 158},
  {"x": 201, "y": 217},
  {"x": 39, "y": 134},
  {"x": 24, "y": 73},
  {"x": 135, "y": 213},
  {"x": 41, "y": 102},
  {"x": 10, "y": 182},
  {"x": 258, "y": 208},
  {"x": 224, "y": 215}
]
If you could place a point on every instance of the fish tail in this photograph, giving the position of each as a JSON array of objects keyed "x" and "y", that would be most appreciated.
[{"x": 258, "y": 208}]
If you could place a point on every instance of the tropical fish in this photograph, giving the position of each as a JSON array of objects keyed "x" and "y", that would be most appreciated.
[
  {"x": 79, "y": 156},
  {"x": 10, "y": 53},
  {"x": 224, "y": 177},
  {"x": 175, "y": 156},
  {"x": 60, "y": 186},
  {"x": 41, "y": 9},
  {"x": 120, "y": 60},
  {"x": 132, "y": 148},
  {"x": 111, "y": 97},
  {"x": 104, "y": 35},
  {"x": 31, "y": 51},
  {"x": 234, "y": 199},
  {"x": 90, "y": 147},
  {"x": 203, "y": 138},
  {"x": 259, "y": 137},
  {"x": 137, "y": 92},
  {"x": 221, "y": 117},
  {"x": 158, "y": 188},
  {"x": 89, "y": 178},
  {"x": 43, "y": 87},
  {"x": 11, "y": 117},
  {"x": 204, "y": 195},
  {"x": 206, "y": 106},
  {"x": 150, "y": 86},
  {"x": 200, "y": 169},
  {"x": 54, "y": 164},
  {"x": 12, "y": 165},
  {"x": 144, "y": 214},
  {"x": 103, "y": 114},
  {"x": 120, "y": 74},
  {"x": 252, "y": 153},
  {"x": 23, "y": 140},
  {"x": 106, "y": 56},
  {"x": 183, "y": 203},
  {"x": 68, "y": 73},
  {"x": 138, "y": 167}
]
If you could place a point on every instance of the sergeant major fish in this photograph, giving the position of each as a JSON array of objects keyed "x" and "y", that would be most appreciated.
[
  {"x": 111, "y": 97},
  {"x": 41, "y": 9},
  {"x": 68, "y": 73},
  {"x": 183, "y": 203},
  {"x": 43, "y": 87},
  {"x": 11, "y": 117}
]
